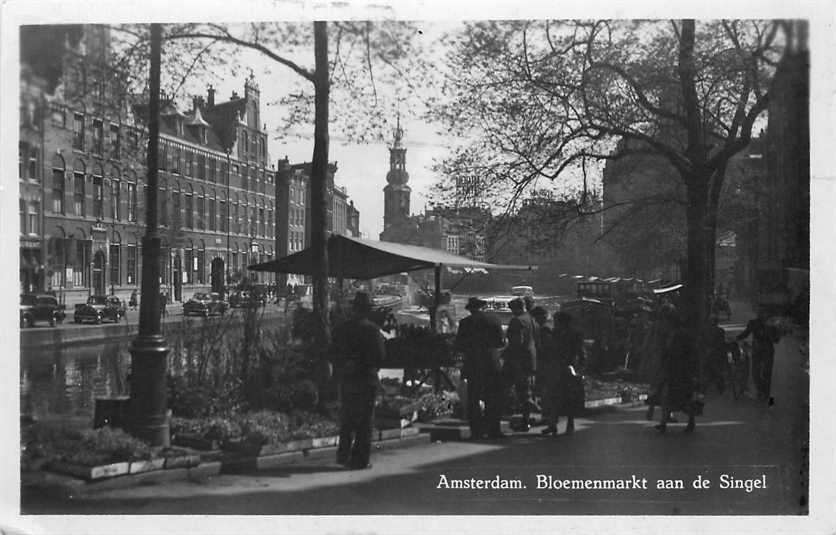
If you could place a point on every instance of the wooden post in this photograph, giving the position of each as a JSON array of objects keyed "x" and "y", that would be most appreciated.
[{"x": 436, "y": 373}]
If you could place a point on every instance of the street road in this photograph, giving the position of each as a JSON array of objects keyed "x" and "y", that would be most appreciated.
[{"x": 735, "y": 441}]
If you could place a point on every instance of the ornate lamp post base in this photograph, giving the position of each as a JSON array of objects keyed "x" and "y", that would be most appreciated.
[{"x": 148, "y": 410}]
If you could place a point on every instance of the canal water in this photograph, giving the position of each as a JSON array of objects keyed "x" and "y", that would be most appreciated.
[{"x": 64, "y": 382}]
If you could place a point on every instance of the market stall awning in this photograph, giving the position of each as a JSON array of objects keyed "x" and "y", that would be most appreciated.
[{"x": 356, "y": 258}]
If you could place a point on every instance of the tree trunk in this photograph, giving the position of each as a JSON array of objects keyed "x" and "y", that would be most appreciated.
[
  {"x": 696, "y": 277},
  {"x": 319, "y": 172}
]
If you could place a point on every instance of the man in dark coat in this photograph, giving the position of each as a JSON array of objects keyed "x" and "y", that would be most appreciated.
[
  {"x": 358, "y": 351},
  {"x": 522, "y": 358},
  {"x": 764, "y": 337},
  {"x": 480, "y": 338},
  {"x": 565, "y": 394},
  {"x": 680, "y": 370}
]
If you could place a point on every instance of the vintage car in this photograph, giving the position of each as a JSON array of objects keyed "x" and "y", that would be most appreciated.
[
  {"x": 99, "y": 308},
  {"x": 34, "y": 308},
  {"x": 204, "y": 304}
]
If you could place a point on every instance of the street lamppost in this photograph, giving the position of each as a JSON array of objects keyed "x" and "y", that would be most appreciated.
[{"x": 148, "y": 405}]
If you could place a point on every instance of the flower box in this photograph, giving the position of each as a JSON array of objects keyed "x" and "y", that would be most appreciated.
[
  {"x": 147, "y": 466},
  {"x": 324, "y": 442},
  {"x": 182, "y": 461},
  {"x": 194, "y": 441},
  {"x": 91, "y": 472}
]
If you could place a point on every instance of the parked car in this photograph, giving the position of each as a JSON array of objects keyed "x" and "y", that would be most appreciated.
[
  {"x": 35, "y": 308},
  {"x": 99, "y": 308},
  {"x": 204, "y": 304},
  {"x": 243, "y": 298}
]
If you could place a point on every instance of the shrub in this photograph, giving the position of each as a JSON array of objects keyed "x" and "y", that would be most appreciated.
[
  {"x": 214, "y": 428},
  {"x": 89, "y": 447}
]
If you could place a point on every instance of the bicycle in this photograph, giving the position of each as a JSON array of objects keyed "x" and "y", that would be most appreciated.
[{"x": 737, "y": 359}]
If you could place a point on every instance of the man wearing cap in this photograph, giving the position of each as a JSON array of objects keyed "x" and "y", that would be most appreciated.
[
  {"x": 358, "y": 351},
  {"x": 479, "y": 337},
  {"x": 522, "y": 358}
]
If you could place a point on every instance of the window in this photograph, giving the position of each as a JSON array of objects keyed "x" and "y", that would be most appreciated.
[
  {"x": 261, "y": 222},
  {"x": 270, "y": 222},
  {"x": 176, "y": 221},
  {"x": 115, "y": 279},
  {"x": 188, "y": 260},
  {"x": 224, "y": 171},
  {"x": 212, "y": 215},
  {"x": 130, "y": 264},
  {"x": 98, "y": 198},
  {"x": 453, "y": 244},
  {"x": 22, "y": 208},
  {"x": 253, "y": 221},
  {"x": 58, "y": 189},
  {"x": 81, "y": 276},
  {"x": 115, "y": 198},
  {"x": 212, "y": 164},
  {"x": 78, "y": 131},
  {"x": 22, "y": 149},
  {"x": 235, "y": 226},
  {"x": 33, "y": 224},
  {"x": 175, "y": 162},
  {"x": 244, "y": 173},
  {"x": 201, "y": 166},
  {"x": 133, "y": 139},
  {"x": 114, "y": 140},
  {"x": 201, "y": 212},
  {"x": 131, "y": 201},
  {"x": 78, "y": 193},
  {"x": 189, "y": 170},
  {"x": 33, "y": 164},
  {"x": 98, "y": 135},
  {"x": 201, "y": 261},
  {"x": 189, "y": 210},
  {"x": 224, "y": 227}
]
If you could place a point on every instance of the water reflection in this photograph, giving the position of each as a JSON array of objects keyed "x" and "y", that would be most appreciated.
[{"x": 66, "y": 381}]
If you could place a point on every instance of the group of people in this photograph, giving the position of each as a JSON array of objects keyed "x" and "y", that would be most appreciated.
[
  {"x": 507, "y": 370},
  {"x": 528, "y": 359}
]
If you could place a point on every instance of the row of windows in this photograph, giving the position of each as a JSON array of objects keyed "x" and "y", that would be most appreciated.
[
  {"x": 174, "y": 159},
  {"x": 182, "y": 161},
  {"x": 296, "y": 216},
  {"x": 98, "y": 145},
  {"x": 254, "y": 146},
  {"x": 453, "y": 245},
  {"x": 295, "y": 241}
]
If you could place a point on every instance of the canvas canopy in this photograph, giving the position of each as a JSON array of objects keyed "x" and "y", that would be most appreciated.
[{"x": 356, "y": 258}]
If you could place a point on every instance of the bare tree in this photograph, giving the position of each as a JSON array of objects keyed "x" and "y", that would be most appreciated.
[{"x": 552, "y": 100}]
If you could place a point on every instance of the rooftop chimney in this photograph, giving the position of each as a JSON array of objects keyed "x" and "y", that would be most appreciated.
[{"x": 210, "y": 98}]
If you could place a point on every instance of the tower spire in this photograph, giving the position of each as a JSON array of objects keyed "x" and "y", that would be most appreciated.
[{"x": 398, "y": 130}]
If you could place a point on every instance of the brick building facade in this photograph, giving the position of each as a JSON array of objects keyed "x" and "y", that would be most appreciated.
[{"x": 82, "y": 177}]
